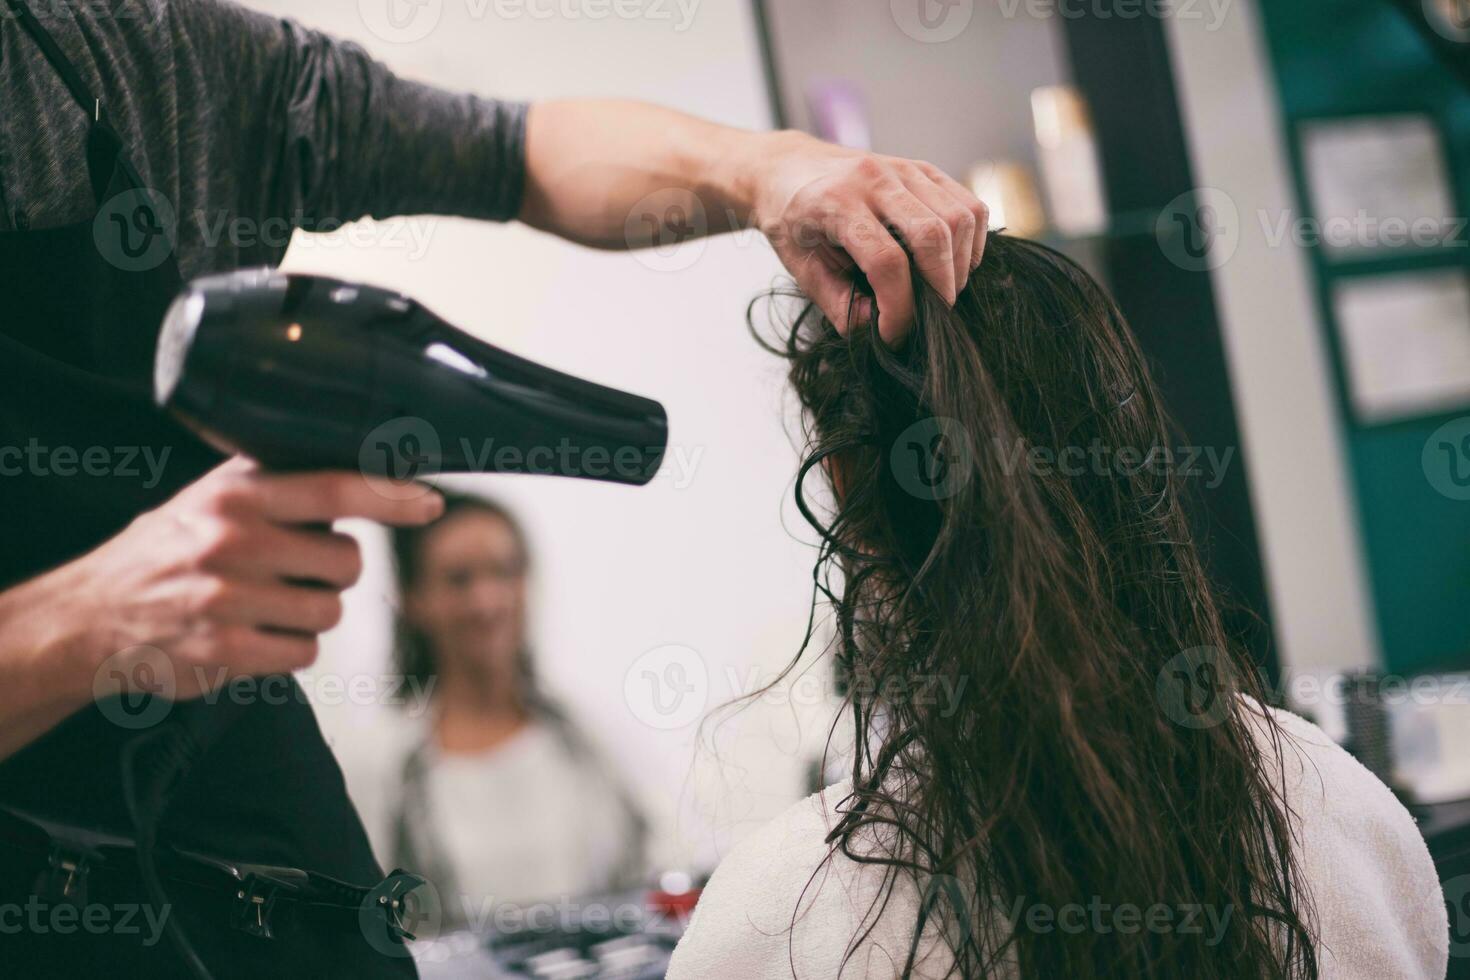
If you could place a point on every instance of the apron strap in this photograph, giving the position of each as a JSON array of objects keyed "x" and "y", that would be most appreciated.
[
  {"x": 58, "y": 59},
  {"x": 104, "y": 146}
]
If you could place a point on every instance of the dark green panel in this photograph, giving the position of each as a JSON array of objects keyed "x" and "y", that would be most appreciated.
[{"x": 1334, "y": 58}]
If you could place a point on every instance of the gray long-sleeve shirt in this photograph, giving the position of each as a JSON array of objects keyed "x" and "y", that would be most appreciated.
[{"x": 244, "y": 123}]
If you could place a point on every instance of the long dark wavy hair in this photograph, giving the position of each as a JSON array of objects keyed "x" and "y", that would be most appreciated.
[{"x": 1063, "y": 604}]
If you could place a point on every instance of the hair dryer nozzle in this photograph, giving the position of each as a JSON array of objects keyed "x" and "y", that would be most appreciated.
[{"x": 304, "y": 371}]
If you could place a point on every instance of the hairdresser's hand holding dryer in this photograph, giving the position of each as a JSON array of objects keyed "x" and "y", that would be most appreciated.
[{"x": 197, "y": 115}]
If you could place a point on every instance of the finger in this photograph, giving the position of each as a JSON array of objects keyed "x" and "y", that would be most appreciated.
[
  {"x": 232, "y": 472},
  {"x": 971, "y": 203},
  {"x": 274, "y": 605},
  {"x": 886, "y": 266},
  {"x": 238, "y": 464},
  {"x": 265, "y": 651},
  {"x": 329, "y": 557},
  {"x": 212, "y": 661},
  {"x": 322, "y": 497},
  {"x": 959, "y": 219},
  {"x": 926, "y": 235}
]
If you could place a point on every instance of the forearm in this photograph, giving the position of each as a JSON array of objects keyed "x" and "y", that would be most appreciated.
[
  {"x": 591, "y": 166},
  {"x": 46, "y": 671}
]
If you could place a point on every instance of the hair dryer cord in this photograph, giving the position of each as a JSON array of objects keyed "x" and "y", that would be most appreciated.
[{"x": 153, "y": 765}]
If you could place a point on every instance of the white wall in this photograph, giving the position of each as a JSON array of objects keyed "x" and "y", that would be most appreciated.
[
  {"x": 703, "y": 562},
  {"x": 955, "y": 98}
]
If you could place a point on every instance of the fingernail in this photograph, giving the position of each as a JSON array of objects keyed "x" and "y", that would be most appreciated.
[{"x": 435, "y": 505}]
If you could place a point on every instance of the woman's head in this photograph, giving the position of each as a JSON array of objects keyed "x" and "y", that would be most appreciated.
[
  {"x": 1006, "y": 523},
  {"x": 462, "y": 581}
]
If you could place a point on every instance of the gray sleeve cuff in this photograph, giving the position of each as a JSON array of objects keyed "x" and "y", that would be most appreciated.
[{"x": 444, "y": 153}]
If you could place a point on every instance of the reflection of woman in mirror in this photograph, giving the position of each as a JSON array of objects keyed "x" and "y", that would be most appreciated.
[
  {"x": 500, "y": 795},
  {"x": 1107, "y": 795}
]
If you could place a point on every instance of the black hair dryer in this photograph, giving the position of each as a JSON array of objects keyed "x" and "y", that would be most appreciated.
[{"x": 307, "y": 372}]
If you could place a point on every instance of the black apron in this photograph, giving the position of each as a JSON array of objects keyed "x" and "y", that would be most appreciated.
[{"x": 80, "y": 309}]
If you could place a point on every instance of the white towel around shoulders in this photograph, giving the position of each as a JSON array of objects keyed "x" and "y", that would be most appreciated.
[{"x": 1380, "y": 911}]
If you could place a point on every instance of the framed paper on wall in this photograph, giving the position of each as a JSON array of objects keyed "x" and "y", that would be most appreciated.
[
  {"x": 1378, "y": 186},
  {"x": 1406, "y": 342}
]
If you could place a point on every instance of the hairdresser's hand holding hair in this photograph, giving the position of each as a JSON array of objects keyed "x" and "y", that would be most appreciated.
[{"x": 829, "y": 211}]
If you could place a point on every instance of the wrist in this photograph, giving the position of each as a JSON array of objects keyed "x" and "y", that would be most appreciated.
[
  {"x": 738, "y": 171},
  {"x": 53, "y": 639}
]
